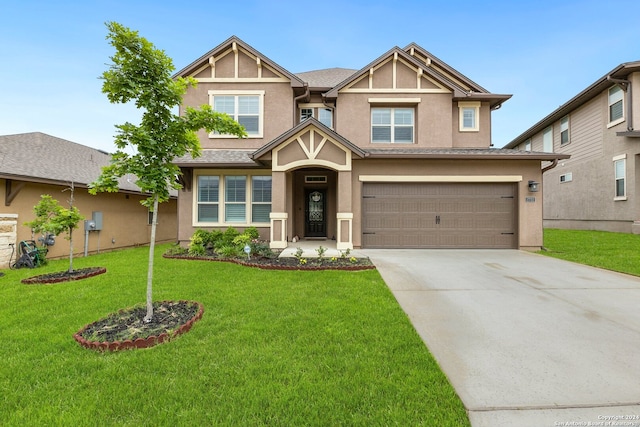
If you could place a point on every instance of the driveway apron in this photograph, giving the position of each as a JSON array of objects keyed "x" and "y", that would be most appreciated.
[{"x": 525, "y": 339}]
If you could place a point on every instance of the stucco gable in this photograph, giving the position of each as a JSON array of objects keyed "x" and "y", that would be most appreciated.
[
  {"x": 235, "y": 60},
  {"x": 309, "y": 143}
]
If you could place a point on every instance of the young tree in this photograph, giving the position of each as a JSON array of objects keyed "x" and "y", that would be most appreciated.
[
  {"x": 142, "y": 73},
  {"x": 55, "y": 219}
]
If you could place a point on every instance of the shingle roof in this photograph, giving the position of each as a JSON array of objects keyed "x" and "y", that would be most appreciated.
[
  {"x": 219, "y": 158},
  {"x": 40, "y": 157},
  {"x": 467, "y": 153},
  {"x": 326, "y": 78}
]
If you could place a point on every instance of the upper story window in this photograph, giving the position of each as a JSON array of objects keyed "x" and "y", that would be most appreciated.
[
  {"x": 619, "y": 166},
  {"x": 392, "y": 125},
  {"x": 564, "y": 130},
  {"x": 245, "y": 107},
  {"x": 616, "y": 105},
  {"x": 469, "y": 116},
  {"x": 527, "y": 145},
  {"x": 547, "y": 140},
  {"x": 322, "y": 113}
]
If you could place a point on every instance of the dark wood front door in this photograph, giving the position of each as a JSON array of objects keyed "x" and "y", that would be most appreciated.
[{"x": 315, "y": 223}]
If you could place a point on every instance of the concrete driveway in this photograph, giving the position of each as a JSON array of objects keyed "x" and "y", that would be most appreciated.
[{"x": 525, "y": 339}]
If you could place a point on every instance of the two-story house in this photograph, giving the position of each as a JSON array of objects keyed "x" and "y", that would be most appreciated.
[
  {"x": 597, "y": 188},
  {"x": 394, "y": 155}
]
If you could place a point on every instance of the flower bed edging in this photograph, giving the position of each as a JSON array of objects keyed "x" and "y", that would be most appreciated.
[
  {"x": 139, "y": 342},
  {"x": 276, "y": 267}
]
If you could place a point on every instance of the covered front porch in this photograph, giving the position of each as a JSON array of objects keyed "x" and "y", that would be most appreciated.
[{"x": 311, "y": 185}]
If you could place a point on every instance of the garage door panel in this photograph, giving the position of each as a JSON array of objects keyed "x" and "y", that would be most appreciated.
[{"x": 439, "y": 215}]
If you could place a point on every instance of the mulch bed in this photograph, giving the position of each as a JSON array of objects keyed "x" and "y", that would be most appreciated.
[
  {"x": 64, "y": 276},
  {"x": 126, "y": 329},
  {"x": 287, "y": 263}
]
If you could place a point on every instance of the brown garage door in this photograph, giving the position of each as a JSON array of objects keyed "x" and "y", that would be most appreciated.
[{"x": 439, "y": 215}]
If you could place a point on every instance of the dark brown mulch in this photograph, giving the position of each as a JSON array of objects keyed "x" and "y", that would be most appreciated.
[
  {"x": 65, "y": 276},
  {"x": 127, "y": 328},
  {"x": 287, "y": 263}
]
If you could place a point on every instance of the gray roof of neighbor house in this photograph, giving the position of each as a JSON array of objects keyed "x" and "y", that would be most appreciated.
[
  {"x": 38, "y": 157},
  {"x": 620, "y": 72},
  {"x": 327, "y": 78}
]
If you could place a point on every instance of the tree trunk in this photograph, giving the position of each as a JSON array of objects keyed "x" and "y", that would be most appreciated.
[
  {"x": 152, "y": 246},
  {"x": 70, "y": 249}
]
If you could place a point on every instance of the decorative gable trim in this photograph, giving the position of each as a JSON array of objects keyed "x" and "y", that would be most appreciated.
[
  {"x": 310, "y": 144},
  {"x": 265, "y": 71},
  {"x": 438, "y": 83}
]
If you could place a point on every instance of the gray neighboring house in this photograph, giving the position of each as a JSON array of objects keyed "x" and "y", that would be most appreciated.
[
  {"x": 32, "y": 164},
  {"x": 598, "y": 187}
]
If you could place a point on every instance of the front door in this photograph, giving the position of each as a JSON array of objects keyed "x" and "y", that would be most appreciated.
[{"x": 315, "y": 223}]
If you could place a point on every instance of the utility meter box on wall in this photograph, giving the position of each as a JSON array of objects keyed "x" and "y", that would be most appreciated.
[{"x": 97, "y": 219}]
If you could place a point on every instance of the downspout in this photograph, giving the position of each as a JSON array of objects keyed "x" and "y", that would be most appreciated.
[
  {"x": 306, "y": 96},
  {"x": 626, "y": 86},
  {"x": 553, "y": 164}
]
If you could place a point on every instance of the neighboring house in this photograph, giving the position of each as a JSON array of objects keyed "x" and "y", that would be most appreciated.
[
  {"x": 394, "y": 155},
  {"x": 32, "y": 164},
  {"x": 598, "y": 187}
]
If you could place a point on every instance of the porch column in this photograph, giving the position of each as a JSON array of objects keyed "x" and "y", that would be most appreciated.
[
  {"x": 278, "y": 216},
  {"x": 344, "y": 216}
]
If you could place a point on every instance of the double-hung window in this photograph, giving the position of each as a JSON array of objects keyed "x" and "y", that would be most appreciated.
[
  {"x": 392, "y": 125},
  {"x": 260, "y": 198},
  {"x": 245, "y": 107},
  {"x": 208, "y": 198},
  {"x": 564, "y": 130},
  {"x": 616, "y": 105},
  {"x": 469, "y": 116},
  {"x": 619, "y": 166},
  {"x": 235, "y": 198}
]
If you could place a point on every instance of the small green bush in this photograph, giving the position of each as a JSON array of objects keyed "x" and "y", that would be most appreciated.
[
  {"x": 229, "y": 251},
  {"x": 252, "y": 232}
]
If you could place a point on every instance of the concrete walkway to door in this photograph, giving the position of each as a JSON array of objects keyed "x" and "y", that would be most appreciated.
[{"x": 526, "y": 340}]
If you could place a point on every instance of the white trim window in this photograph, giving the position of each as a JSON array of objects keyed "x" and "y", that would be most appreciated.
[
  {"x": 566, "y": 177},
  {"x": 260, "y": 198},
  {"x": 392, "y": 125},
  {"x": 547, "y": 140},
  {"x": 564, "y": 131},
  {"x": 237, "y": 207},
  {"x": 527, "y": 145},
  {"x": 619, "y": 167},
  {"x": 321, "y": 112},
  {"x": 245, "y": 107},
  {"x": 616, "y": 106},
  {"x": 208, "y": 198},
  {"x": 469, "y": 113}
]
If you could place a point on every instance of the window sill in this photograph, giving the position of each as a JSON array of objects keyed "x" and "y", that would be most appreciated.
[
  {"x": 620, "y": 199},
  {"x": 615, "y": 123}
]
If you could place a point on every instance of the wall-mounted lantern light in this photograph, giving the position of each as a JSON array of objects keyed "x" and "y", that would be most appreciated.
[{"x": 533, "y": 186}]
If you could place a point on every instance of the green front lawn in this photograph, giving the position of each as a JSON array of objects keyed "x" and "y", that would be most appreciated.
[
  {"x": 277, "y": 348},
  {"x": 612, "y": 251}
]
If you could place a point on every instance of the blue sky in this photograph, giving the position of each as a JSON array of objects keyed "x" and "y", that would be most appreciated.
[{"x": 543, "y": 52}]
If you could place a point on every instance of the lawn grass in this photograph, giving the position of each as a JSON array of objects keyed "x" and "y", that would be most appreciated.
[
  {"x": 612, "y": 251},
  {"x": 277, "y": 348}
]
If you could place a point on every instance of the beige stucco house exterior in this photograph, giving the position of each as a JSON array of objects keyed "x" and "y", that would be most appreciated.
[
  {"x": 598, "y": 187},
  {"x": 32, "y": 164},
  {"x": 397, "y": 154}
]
